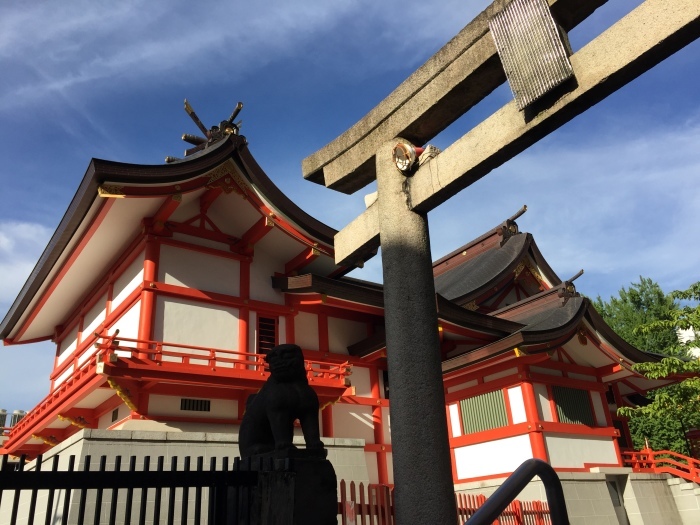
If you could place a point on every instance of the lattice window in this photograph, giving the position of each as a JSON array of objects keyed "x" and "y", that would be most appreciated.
[
  {"x": 573, "y": 406},
  {"x": 267, "y": 334},
  {"x": 484, "y": 412},
  {"x": 195, "y": 405}
]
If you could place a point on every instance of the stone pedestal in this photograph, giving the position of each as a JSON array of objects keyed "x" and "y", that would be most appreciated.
[{"x": 315, "y": 497}]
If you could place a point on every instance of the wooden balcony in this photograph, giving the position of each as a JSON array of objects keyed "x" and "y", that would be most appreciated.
[
  {"x": 113, "y": 358},
  {"x": 157, "y": 360}
]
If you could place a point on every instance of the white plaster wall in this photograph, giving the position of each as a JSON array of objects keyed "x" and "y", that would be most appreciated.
[
  {"x": 583, "y": 377},
  {"x": 455, "y": 420},
  {"x": 306, "y": 330},
  {"x": 197, "y": 270},
  {"x": 547, "y": 371},
  {"x": 360, "y": 380},
  {"x": 282, "y": 330},
  {"x": 493, "y": 457},
  {"x": 261, "y": 271},
  {"x": 68, "y": 345},
  {"x": 199, "y": 241},
  {"x": 128, "y": 324},
  {"x": 343, "y": 333},
  {"x": 353, "y": 421},
  {"x": 372, "y": 470},
  {"x": 467, "y": 384},
  {"x": 195, "y": 323},
  {"x": 105, "y": 421},
  {"x": 573, "y": 451},
  {"x": 89, "y": 352},
  {"x": 390, "y": 467},
  {"x": 94, "y": 317},
  {"x": 599, "y": 407},
  {"x": 499, "y": 375},
  {"x": 252, "y": 333},
  {"x": 65, "y": 375},
  {"x": 127, "y": 282},
  {"x": 159, "y": 405},
  {"x": 544, "y": 409},
  {"x": 517, "y": 405},
  {"x": 386, "y": 421}
]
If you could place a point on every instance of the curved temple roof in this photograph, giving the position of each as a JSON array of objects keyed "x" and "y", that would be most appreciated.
[{"x": 99, "y": 225}]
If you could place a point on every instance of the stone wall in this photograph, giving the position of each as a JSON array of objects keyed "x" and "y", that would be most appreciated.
[
  {"x": 346, "y": 455},
  {"x": 614, "y": 496}
]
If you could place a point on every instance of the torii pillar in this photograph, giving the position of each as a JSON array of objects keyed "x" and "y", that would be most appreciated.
[
  {"x": 450, "y": 83},
  {"x": 421, "y": 457}
]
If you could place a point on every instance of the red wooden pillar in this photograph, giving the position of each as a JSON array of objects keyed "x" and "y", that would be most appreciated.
[
  {"x": 148, "y": 294},
  {"x": 323, "y": 342},
  {"x": 378, "y": 421},
  {"x": 244, "y": 312},
  {"x": 539, "y": 449},
  {"x": 619, "y": 403}
]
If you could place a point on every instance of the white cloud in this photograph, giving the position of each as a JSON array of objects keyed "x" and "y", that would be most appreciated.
[
  {"x": 70, "y": 51},
  {"x": 621, "y": 204},
  {"x": 21, "y": 244}
]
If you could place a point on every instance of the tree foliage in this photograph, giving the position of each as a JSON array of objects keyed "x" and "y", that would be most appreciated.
[
  {"x": 673, "y": 410},
  {"x": 648, "y": 319},
  {"x": 639, "y": 305},
  {"x": 685, "y": 317}
]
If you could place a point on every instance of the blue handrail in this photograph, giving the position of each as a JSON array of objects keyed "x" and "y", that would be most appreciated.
[{"x": 516, "y": 482}]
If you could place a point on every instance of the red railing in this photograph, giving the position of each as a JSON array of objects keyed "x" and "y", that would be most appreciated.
[
  {"x": 663, "y": 462},
  {"x": 373, "y": 505},
  {"x": 68, "y": 387},
  {"x": 112, "y": 349},
  {"x": 222, "y": 359}
]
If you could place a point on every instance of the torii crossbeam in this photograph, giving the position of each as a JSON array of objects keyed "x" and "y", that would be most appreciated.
[{"x": 458, "y": 76}]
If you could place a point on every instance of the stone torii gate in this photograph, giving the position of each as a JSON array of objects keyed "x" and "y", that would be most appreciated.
[{"x": 458, "y": 76}]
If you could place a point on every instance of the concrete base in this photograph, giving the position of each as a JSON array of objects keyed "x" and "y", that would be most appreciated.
[
  {"x": 614, "y": 496},
  {"x": 346, "y": 455}
]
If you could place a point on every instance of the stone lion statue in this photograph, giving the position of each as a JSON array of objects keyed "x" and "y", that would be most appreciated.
[{"x": 268, "y": 422}]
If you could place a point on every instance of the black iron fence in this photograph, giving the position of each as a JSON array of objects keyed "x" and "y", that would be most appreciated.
[{"x": 225, "y": 493}]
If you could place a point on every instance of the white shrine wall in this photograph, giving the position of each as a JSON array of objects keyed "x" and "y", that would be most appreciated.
[
  {"x": 306, "y": 330},
  {"x": 492, "y": 457},
  {"x": 567, "y": 451},
  {"x": 127, "y": 282},
  {"x": 263, "y": 267},
  {"x": 201, "y": 271},
  {"x": 160, "y": 405},
  {"x": 343, "y": 333},
  {"x": 195, "y": 323}
]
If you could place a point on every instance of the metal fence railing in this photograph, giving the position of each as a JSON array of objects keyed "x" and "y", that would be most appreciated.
[{"x": 124, "y": 493}]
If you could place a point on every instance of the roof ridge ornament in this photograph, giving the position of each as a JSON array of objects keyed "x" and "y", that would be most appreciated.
[
  {"x": 211, "y": 136},
  {"x": 568, "y": 285},
  {"x": 509, "y": 227}
]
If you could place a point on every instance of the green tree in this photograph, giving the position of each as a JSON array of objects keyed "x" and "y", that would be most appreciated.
[
  {"x": 687, "y": 317},
  {"x": 648, "y": 319},
  {"x": 674, "y": 409},
  {"x": 641, "y": 304}
]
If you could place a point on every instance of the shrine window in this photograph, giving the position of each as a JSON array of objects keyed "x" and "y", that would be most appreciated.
[
  {"x": 573, "y": 406},
  {"x": 195, "y": 405},
  {"x": 483, "y": 412},
  {"x": 267, "y": 334}
]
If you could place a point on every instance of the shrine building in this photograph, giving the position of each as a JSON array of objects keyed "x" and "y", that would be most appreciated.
[{"x": 164, "y": 286}]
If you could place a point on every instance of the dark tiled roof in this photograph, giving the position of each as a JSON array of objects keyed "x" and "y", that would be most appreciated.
[{"x": 482, "y": 270}]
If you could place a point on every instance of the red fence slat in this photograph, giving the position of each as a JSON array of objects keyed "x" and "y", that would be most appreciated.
[{"x": 374, "y": 505}]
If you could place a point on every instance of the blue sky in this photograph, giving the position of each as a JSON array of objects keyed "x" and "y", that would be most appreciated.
[{"x": 615, "y": 192}]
